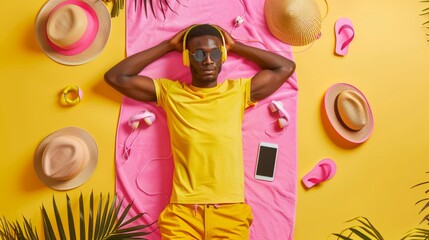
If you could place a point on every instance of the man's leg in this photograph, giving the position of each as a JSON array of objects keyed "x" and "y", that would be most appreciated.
[
  {"x": 228, "y": 221},
  {"x": 182, "y": 221}
]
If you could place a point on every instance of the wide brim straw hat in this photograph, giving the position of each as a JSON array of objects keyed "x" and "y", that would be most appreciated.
[
  {"x": 349, "y": 112},
  {"x": 73, "y": 32},
  {"x": 66, "y": 158},
  {"x": 294, "y": 22}
]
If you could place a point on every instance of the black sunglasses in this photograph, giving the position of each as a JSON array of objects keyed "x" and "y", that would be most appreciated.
[{"x": 201, "y": 55}]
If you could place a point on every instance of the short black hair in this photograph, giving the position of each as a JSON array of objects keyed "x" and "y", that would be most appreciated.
[{"x": 203, "y": 30}]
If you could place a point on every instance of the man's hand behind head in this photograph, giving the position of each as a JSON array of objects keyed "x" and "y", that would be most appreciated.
[{"x": 177, "y": 40}]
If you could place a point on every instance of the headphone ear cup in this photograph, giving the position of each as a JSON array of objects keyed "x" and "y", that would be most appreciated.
[
  {"x": 282, "y": 122},
  {"x": 273, "y": 108},
  {"x": 149, "y": 119},
  {"x": 224, "y": 53},
  {"x": 185, "y": 57},
  {"x": 134, "y": 124}
]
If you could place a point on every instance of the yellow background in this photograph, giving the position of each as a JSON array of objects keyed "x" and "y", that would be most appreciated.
[{"x": 387, "y": 60}]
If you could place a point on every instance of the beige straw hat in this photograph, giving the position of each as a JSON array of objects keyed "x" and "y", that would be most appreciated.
[
  {"x": 348, "y": 112},
  {"x": 66, "y": 158},
  {"x": 294, "y": 22},
  {"x": 73, "y": 32}
]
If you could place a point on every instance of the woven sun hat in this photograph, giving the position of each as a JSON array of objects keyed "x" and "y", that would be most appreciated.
[
  {"x": 294, "y": 22},
  {"x": 349, "y": 112},
  {"x": 73, "y": 32},
  {"x": 65, "y": 159}
]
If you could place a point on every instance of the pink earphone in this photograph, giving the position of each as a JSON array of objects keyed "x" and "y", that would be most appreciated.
[
  {"x": 277, "y": 106},
  {"x": 147, "y": 116},
  {"x": 134, "y": 121}
]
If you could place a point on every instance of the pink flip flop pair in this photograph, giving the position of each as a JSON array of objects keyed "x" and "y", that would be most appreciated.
[
  {"x": 344, "y": 34},
  {"x": 323, "y": 171}
]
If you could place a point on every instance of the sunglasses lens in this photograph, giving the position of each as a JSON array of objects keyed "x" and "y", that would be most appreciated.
[
  {"x": 215, "y": 54},
  {"x": 199, "y": 55}
]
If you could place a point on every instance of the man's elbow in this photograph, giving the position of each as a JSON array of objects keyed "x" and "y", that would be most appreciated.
[
  {"x": 289, "y": 69},
  {"x": 111, "y": 78}
]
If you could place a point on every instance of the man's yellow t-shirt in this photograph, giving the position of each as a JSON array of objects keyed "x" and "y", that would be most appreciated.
[{"x": 206, "y": 139}]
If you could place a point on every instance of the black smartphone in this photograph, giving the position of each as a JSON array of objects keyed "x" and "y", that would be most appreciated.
[{"x": 266, "y": 161}]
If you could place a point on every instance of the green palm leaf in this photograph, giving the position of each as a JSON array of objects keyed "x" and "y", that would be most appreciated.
[
  {"x": 108, "y": 222},
  {"x": 14, "y": 230},
  {"x": 47, "y": 226},
  {"x": 29, "y": 232},
  {"x": 61, "y": 231},
  {"x": 364, "y": 230},
  {"x": 81, "y": 218},
  {"x": 417, "y": 233}
]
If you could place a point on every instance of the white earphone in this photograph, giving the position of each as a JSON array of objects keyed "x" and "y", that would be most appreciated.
[
  {"x": 147, "y": 116},
  {"x": 238, "y": 21},
  {"x": 134, "y": 121},
  {"x": 277, "y": 106}
]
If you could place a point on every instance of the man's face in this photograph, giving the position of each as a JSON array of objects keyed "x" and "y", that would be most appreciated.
[{"x": 205, "y": 72}]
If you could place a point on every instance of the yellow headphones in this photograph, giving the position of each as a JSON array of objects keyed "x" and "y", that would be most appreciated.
[
  {"x": 185, "y": 54},
  {"x": 74, "y": 90}
]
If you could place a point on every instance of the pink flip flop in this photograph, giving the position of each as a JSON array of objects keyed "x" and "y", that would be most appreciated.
[
  {"x": 344, "y": 34},
  {"x": 323, "y": 171}
]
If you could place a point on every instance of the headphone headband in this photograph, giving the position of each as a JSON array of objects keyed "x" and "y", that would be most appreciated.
[
  {"x": 186, "y": 36},
  {"x": 280, "y": 108},
  {"x": 185, "y": 54},
  {"x": 187, "y": 32}
]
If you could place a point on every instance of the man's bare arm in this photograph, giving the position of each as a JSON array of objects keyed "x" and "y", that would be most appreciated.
[
  {"x": 275, "y": 69},
  {"x": 124, "y": 76}
]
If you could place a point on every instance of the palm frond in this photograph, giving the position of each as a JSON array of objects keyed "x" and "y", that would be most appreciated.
[
  {"x": 30, "y": 233},
  {"x": 151, "y": 7},
  {"x": 364, "y": 230},
  {"x": 16, "y": 230},
  {"x": 117, "y": 6},
  {"x": 424, "y": 12},
  {"x": 6, "y": 231},
  {"x": 47, "y": 226},
  {"x": 169, "y": 7},
  {"x": 60, "y": 229},
  {"x": 81, "y": 218},
  {"x": 416, "y": 234},
  {"x": 341, "y": 236},
  {"x": 424, "y": 200},
  {"x": 162, "y": 4},
  {"x": 108, "y": 222}
]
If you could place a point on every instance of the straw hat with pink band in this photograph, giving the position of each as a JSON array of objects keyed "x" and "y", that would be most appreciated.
[
  {"x": 73, "y": 32},
  {"x": 66, "y": 158},
  {"x": 349, "y": 112}
]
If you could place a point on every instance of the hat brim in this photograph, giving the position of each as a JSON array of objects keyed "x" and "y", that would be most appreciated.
[
  {"x": 92, "y": 51},
  {"x": 84, "y": 175},
  {"x": 294, "y": 22},
  {"x": 329, "y": 107}
]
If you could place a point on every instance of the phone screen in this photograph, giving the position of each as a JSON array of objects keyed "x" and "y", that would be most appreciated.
[{"x": 267, "y": 156}]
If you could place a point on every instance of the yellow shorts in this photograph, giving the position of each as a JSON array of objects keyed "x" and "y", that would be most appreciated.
[{"x": 205, "y": 221}]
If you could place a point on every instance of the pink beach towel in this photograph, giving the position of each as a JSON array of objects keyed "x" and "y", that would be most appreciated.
[{"x": 143, "y": 157}]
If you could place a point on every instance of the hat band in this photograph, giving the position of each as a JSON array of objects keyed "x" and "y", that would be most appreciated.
[
  {"x": 338, "y": 115},
  {"x": 88, "y": 36}
]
